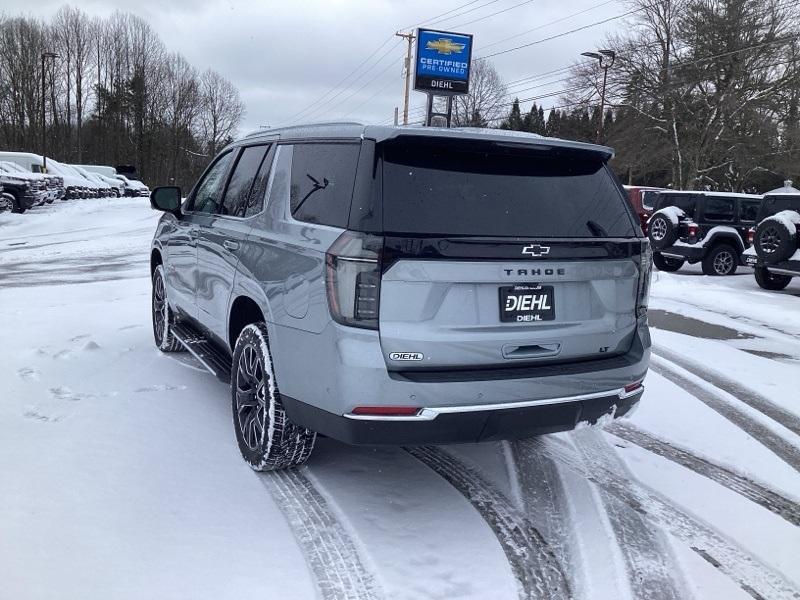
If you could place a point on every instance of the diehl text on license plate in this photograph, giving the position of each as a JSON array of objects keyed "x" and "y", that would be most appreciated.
[{"x": 527, "y": 303}]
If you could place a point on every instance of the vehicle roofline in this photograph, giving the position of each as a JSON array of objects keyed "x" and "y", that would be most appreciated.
[{"x": 383, "y": 133}]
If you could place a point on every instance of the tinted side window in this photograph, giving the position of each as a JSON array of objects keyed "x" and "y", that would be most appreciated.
[
  {"x": 749, "y": 210},
  {"x": 207, "y": 198},
  {"x": 719, "y": 209},
  {"x": 244, "y": 173},
  {"x": 256, "y": 201},
  {"x": 322, "y": 182}
]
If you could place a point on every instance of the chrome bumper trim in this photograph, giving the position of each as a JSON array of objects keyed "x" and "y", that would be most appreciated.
[{"x": 429, "y": 414}]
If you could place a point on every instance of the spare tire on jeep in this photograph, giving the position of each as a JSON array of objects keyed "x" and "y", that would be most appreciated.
[
  {"x": 773, "y": 241},
  {"x": 662, "y": 231}
]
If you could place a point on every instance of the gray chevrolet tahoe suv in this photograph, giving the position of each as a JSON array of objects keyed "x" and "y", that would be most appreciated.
[{"x": 391, "y": 285}]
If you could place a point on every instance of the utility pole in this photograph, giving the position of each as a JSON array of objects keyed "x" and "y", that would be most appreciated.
[
  {"x": 409, "y": 37},
  {"x": 45, "y": 55},
  {"x": 606, "y": 59}
]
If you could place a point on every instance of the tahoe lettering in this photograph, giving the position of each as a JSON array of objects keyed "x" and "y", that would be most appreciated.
[{"x": 534, "y": 272}]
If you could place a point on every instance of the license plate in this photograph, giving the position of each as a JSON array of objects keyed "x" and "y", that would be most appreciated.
[
  {"x": 527, "y": 303},
  {"x": 751, "y": 260}
]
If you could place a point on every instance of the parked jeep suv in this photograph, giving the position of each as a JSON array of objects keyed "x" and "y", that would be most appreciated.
[
  {"x": 706, "y": 227},
  {"x": 386, "y": 285},
  {"x": 775, "y": 254}
]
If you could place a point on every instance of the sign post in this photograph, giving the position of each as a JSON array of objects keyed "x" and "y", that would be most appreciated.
[{"x": 442, "y": 68}]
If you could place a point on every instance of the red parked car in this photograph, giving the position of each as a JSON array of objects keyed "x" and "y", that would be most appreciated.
[{"x": 642, "y": 199}]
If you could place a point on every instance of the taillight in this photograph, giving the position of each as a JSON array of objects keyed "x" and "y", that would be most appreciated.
[
  {"x": 353, "y": 279},
  {"x": 692, "y": 229},
  {"x": 645, "y": 270},
  {"x": 751, "y": 235}
]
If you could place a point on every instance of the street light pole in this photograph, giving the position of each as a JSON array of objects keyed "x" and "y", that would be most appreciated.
[
  {"x": 53, "y": 56},
  {"x": 606, "y": 59}
]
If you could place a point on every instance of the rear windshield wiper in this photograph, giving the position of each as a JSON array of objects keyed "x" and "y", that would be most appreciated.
[{"x": 596, "y": 229}]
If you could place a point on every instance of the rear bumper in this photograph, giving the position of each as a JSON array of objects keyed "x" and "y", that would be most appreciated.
[
  {"x": 690, "y": 253},
  {"x": 325, "y": 376},
  {"x": 465, "y": 424}
]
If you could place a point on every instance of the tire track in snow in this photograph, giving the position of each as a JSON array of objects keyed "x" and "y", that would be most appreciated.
[
  {"x": 544, "y": 498},
  {"x": 752, "y": 398},
  {"x": 538, "y": 574},
  {"x": 329, "y": 550},
  {"x": 749, "y": 321},
  {"x": 641, "y": 545},
  {"x": 755, "y": 492},
  {"x": 785, "y": 450},
  {"x": 600, "y": 464}
]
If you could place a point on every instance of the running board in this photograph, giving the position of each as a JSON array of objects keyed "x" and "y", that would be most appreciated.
[{"x": 203, "y": 350}]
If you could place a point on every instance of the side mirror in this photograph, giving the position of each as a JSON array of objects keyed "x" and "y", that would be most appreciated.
[{"x": 167, "y": 199}]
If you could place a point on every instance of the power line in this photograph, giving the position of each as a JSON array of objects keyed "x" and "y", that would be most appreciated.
[
  {"x": 543, "y": 25},
  {"x": 345, "y": 78},
  {"x": 492, "y": 14},
  {"x": 553, "y": 37},
  {"x": 434, "y": 22},
  {"x": 457, "y": 8}
]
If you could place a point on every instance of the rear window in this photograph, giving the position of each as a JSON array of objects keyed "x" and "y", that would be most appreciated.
[
  {"x": 777, "y": 203},
  {"x": 452, "y": 191},
  {"x": 685, "y": 202},
  {"x": 649, "y": 198}
]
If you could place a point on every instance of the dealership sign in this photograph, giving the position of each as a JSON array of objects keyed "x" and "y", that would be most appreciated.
[{"x": 443, "y": 62}]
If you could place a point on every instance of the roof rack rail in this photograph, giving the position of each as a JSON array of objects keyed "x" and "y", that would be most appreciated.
[{"x": 267, "y": 131}]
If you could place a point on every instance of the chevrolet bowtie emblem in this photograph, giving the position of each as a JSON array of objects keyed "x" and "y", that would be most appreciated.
[
  {"x": 444, "y": 46},
  {"x": 536, "y": 250}
]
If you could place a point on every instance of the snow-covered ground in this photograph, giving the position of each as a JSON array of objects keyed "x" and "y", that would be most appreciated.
[{"x": 120, "y": 476}]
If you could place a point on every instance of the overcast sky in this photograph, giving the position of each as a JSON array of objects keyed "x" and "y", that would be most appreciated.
[{"x": 285, "y": 54}]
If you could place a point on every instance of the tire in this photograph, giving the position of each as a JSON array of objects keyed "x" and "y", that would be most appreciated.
[
  {"x": 771, "y": 281},
  {"x": 721, "y": 260},
  {"x": 267, "y": 439},
  {"x": 661, "y": 231},
  {"x": 663, "y": 263},
  {"x": 773, "y": 242},
  {"x": 16, "y": 205},
  {"x": 162, "y": 315}
]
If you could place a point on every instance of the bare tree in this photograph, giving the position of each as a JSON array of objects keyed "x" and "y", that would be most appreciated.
[
  {"x": 222, "y": 110},
  {"x": 486, "y": 99}
]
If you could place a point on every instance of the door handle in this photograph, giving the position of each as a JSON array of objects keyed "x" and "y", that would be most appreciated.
[
  {"x": 231, "y": 245},
  {"x": 531, "y": 351}
]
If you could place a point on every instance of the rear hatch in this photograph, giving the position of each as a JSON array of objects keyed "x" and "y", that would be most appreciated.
[{"x": 499, "y": 255}]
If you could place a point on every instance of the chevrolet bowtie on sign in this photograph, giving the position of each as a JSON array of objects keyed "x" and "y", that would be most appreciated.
[{"x": 443, "y": 62}]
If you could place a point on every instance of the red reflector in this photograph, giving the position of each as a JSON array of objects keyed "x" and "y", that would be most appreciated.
[
  {"x": 386, "y": 411},
  {"x": 632, "y": 387}
]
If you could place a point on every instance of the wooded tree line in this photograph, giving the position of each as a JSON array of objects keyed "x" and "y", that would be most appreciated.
[
  {"x": 114, "y": 95},
  {"x": 704, "y": 94}
]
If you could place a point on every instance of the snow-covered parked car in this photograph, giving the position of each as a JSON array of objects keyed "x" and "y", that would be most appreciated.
[
  {"x": 775, "y": 253},
  {"x": 53, "y": 183},
  {"x": 104, "y": 189},
  {"x": 134, "y": 187},
  {"x": 76, "y": 186},
  {"x": 706, "y": 227},
  {"x": 25, "y": 190}
]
